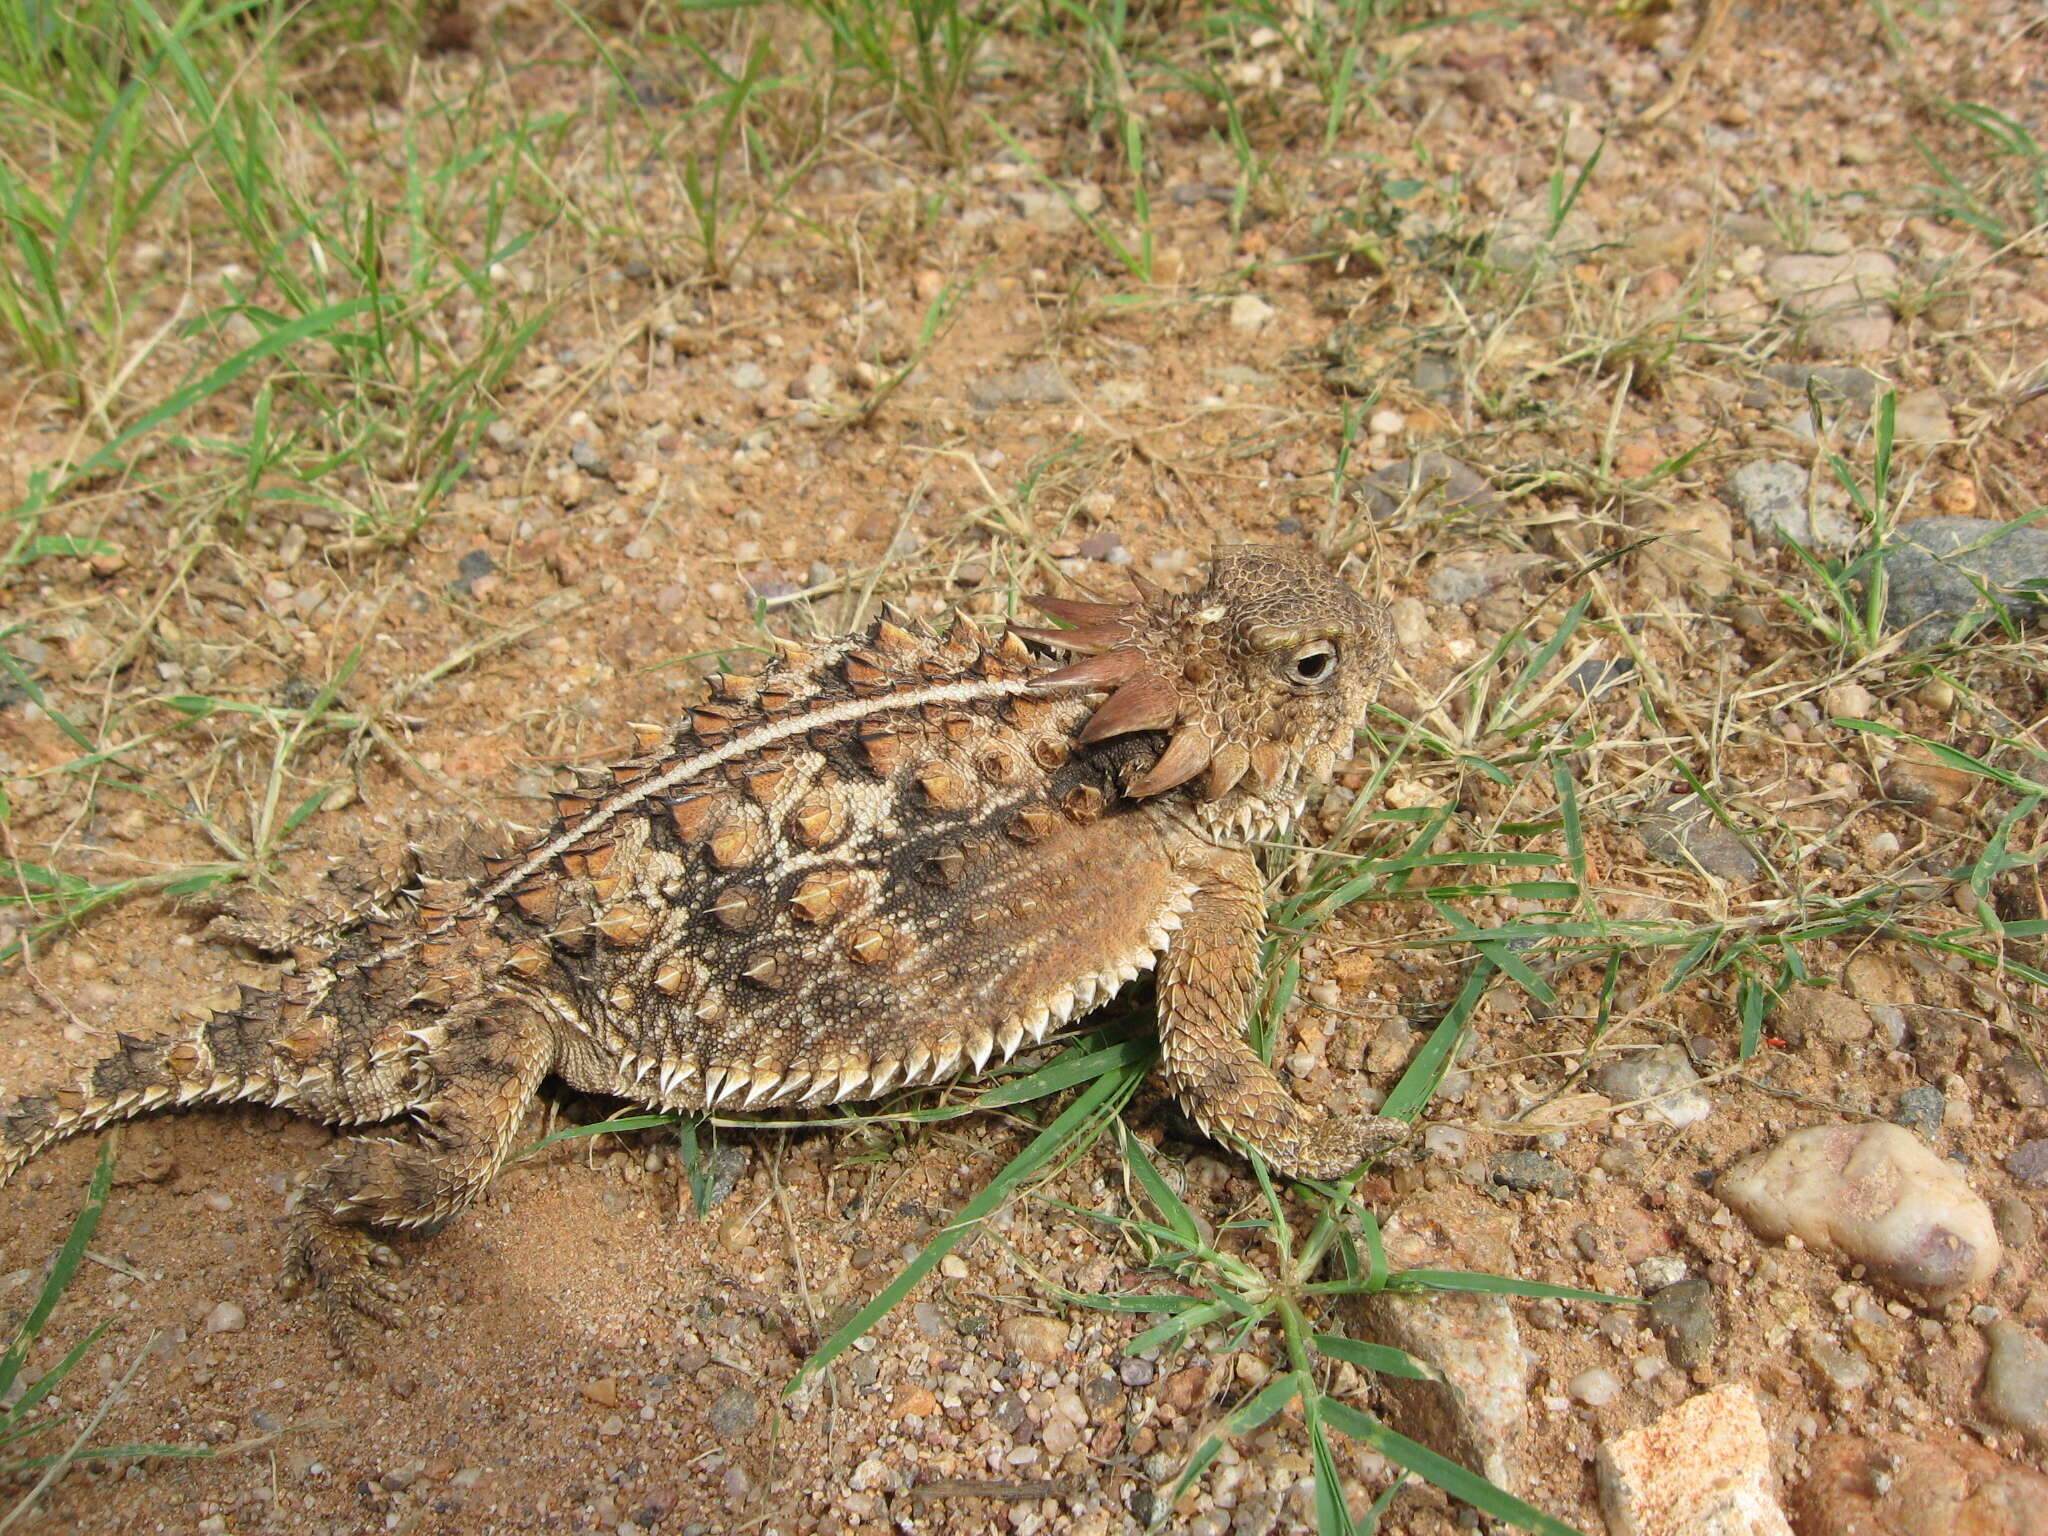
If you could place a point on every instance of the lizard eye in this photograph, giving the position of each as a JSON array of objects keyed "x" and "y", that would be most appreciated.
[{"x": 1313, "y": 665}]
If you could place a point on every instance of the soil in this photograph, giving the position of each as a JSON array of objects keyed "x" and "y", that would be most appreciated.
[{"x": 587, "y": 1352}]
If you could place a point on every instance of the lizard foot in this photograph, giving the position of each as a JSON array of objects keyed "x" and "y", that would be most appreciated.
[
  {"x": 1330, "y": 1147},
  {"x": 345, "y": 1267}
]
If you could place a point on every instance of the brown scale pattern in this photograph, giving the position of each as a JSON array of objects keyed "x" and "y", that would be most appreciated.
[{"x": 884, "y": 859}]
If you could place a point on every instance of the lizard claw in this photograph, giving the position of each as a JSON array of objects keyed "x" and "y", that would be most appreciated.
[{"x": 343, "y": 1265}]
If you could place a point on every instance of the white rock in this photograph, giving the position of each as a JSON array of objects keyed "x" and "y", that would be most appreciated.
[
  {"x": 1703, "y": 1469},
  {"x": 1249, "y": 312},
  {"x": 1595, "y": 1388},
  {"x": 1813, "y": 285},
  {"x": 1878, "y": 1196}
]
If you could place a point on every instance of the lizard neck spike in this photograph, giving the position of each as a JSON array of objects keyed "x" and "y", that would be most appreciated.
[{"x": 1128, "y": 650}]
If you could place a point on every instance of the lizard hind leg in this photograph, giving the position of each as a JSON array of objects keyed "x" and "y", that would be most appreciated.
[{"x": 476, "y": 1087}]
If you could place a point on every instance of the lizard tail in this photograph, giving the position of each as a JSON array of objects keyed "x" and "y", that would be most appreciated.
[{"x": 261, "y": 1049}]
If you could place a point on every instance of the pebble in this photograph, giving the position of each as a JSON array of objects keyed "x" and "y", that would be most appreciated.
[
  {"x": 1249, "y": 312},
  {"x": 1930, "y": 567},
  {"x": 1921, "y": 416},
  {"x": 734, "y": 1411},
  {"x": 2028, "y": 1164},
  {"x": 1658, "y": 1271},
  {"x": 1036, "y": 383},
  {"x": 1682, "y": 1315},
  {"x": 1595, "y": 1388},
  {"x": 1593, "y": 677},
  {"x": 1136, "y": 1373},
  {"x": 1703, "y": 1467},
  {"x": 1880, "y": 1198},
  {"x": 1106, "y": 545},
  {"x": 1840, "y": 385},
  {"x": 1438, "y": 483},
  {"x": 1917, "y": 777},
  {"x": 226, "y": 1317},
  {"x": 2024, "y": 1084},
  {"x": 1043, "y": 1339},
  {"x": 1845, "y": 1372},
  {"x": 1772, "y": 495},
  {"x": 748, "y": 377},
  {"x": 1447, "y": 1143},
  {"x": 1921, "y": 1109},
  {"x": 1840, "y": 295},
  {"x": 2018, "y": 1226},
  {"x": 1696, "y": 836},
  {"x": 1529, "y": 1171},
  {"x": 1664, "y": 1077},
  {"x": 1916, "y": 1485},
  {"x": 2016, "y": 1380},
  {"x": 1478, "y": 1413}
]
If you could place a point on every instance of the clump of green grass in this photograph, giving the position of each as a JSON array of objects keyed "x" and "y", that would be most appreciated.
[
  {"x": 919, "y": 54},
  {"x": 365, "y": 321},
  {"x": 2008, "y": 201}
]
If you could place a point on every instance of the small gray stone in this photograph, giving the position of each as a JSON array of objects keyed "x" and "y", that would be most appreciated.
[
  {"x": 1846, "y": 385},
  {"x": 1683, "y": 1317},
  {"x": 1685, "y": 834},
  {"x": 2029, "y": 1163},
  {"x": 725, "y": 1167},
  {"x": 748, "y": 377},
  {"x": 1845, "y": 1372},
  {"x": 2016, "y": 1380},
  {"x": 1771, "y": 494},
  {"x": 471, "y": 569},
  {"x": 1136, "y": 1373},
  {"x": 1921, "y": 1110},
  {"x": 1036, "y": 383},
  {"x": 2025, "y": 1086},
  {"x": 1938, "y": 565},
  {"x": 1437, "y": 483},
  {"x": 1662, "y": 1076},
  {"x": 1594, "y": 677},
  {"x": 734, "y": 1411},
  {"x": 1106, "y": 545},
  {"x": 2017, "y": 1224},
  {"x": 1528, "y": 1171},
  {"x": 1435, "y": 374},
  {"x": 226, "y": 1317}
]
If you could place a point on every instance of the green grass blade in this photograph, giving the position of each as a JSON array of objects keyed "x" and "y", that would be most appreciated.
[
  {"x": 1381, "y": 1359},
  {"x": 1100, "y": 1097},
  {"x": 1457, "y": 1481}
]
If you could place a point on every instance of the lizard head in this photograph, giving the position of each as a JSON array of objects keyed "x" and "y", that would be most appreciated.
[{"x": 1259, "y": 679}]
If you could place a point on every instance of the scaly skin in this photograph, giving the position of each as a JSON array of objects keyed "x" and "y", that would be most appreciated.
[{"x": 883, "y": 861}]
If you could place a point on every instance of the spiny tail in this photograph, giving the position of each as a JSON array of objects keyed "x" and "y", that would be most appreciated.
[{"x": 261, "y": 1049}]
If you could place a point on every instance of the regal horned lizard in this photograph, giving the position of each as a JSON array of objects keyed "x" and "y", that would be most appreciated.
[{"x": 884, "y": 860}]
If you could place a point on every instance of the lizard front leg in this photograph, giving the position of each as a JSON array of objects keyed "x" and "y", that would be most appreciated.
[
  {"x": 476, "y": 1081},
  {"x": 1208, "y": 981}
]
